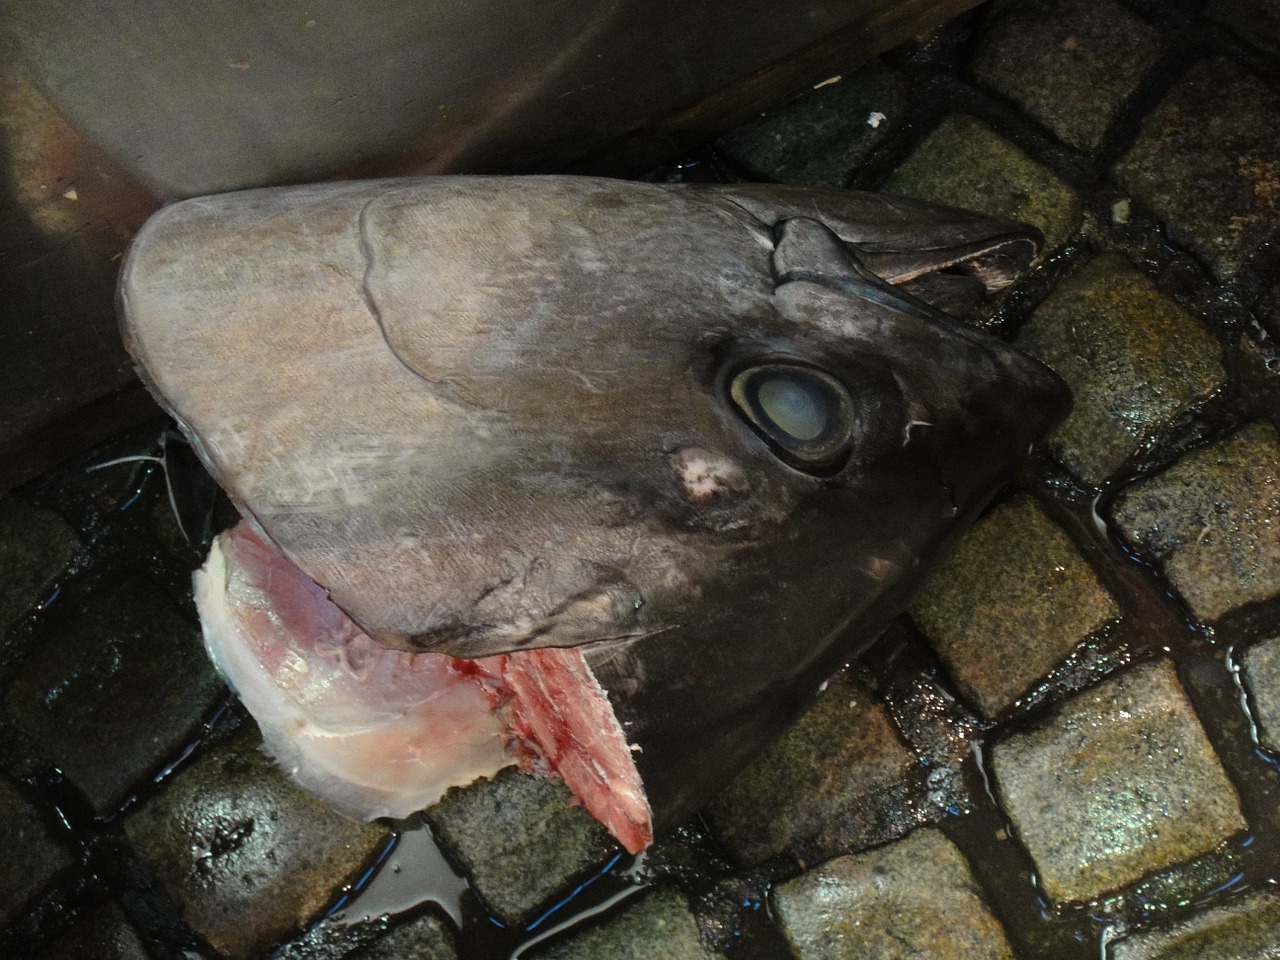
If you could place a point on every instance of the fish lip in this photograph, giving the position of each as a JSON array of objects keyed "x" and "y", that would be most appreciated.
[
  {"x": 996, "y": 250},
  {"x": 1021, "y": 248}
]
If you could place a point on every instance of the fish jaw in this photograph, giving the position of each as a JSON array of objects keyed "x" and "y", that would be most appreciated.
[{"x": 378, "y": 732}]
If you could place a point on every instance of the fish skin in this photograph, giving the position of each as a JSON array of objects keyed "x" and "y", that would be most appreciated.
[{"x": 491, "y": 414}]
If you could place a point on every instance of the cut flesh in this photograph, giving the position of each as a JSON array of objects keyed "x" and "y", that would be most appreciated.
[{"x": 381, "y": 732}]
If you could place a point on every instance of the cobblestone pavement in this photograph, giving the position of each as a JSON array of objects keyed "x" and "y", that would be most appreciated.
[{"x": 1066, "y": 749}]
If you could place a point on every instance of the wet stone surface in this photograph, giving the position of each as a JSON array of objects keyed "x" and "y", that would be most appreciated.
[
  {"x": 1256, "y": 22},
  {"x": 104, "y": 933},
  {"x": 35, "y": 546},
  {"x": 128, "y": 645},
  {"x": 1070, "y": 64},
  {"x": 32, "y": 858},
  {"x": 1132, "y": 357},
  {"x": 910, "y": 900},
  {"x": 520, "y": 839},
  {"x": 1208, "y": 162},
  {"x": 829, "y": 782},
  {"x": 1268, "y": 310},
  {"x": 1009, "y": 602},
  {"x": 1247, "y": 928},
  {"x": 427, "y": 937},
  {"x": 822, "y": 136},
  {"x": 1260, "y": 671},
  {"x": 1212, "y": 520},
  {"x": 655, "y": 924},
  {"x": 1118, "y": 782},
  {"x": 248, "y": 857},
  {"x": 967, "y": 164}
]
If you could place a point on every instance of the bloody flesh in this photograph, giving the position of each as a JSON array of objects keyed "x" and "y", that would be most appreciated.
[{"x": 382, "y": 732}]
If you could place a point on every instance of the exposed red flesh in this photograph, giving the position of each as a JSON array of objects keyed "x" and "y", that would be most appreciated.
[{"x": 383, "y": 732}]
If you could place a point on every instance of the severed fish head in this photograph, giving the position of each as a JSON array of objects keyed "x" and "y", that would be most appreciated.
[{"x": 706, "y": 438}]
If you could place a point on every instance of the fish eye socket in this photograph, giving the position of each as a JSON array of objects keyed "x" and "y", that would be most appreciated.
[{"x": 804, "y": 414}]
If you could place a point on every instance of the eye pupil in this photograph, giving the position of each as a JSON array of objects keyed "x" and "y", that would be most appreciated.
[
  {"x": 793, "y": 406},
  {"x": 804, "y": 415}
]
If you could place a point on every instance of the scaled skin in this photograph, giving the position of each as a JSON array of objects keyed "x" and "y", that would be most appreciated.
[{"x": 488, "y": 415}]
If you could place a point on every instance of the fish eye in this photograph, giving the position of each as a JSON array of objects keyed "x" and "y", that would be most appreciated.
[{"x": 804, "y": 414}]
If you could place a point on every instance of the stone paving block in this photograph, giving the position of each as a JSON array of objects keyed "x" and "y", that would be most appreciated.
[
  {"x": 914, "y": 899},
  {"x": 427, "y": 937},
  {"x": 35, "y": 546},
  {"x": 820, "y": 138},
  {"x": 1212, "y": 520},
  {"x": 1254, "y": 21},
  {"x": 1260, "y": 671},
  {"x": 1008, "y": 603},
  {"x": 520, "y": 839},
  {"x": 823, "y": 774},
  {"x": 1207, "y": 160},
  {"x": 103, "y": 933},
  {"x": 1133, "y": 358},
  {"x": 248, "y": 857},
  {"x": 1244, "y": 929},
  {"x": 656, "y": 924},
  {"x": 965, "y": 163},
  {"x": 116, "y": 690},
  {"x": 1070, "y": 64},
  {"x": 32, "y": 859},
  {"x": 1119, "y": 782}
]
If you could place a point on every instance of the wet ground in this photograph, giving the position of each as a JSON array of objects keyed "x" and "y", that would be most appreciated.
[{"x": 1066, "y": 749}]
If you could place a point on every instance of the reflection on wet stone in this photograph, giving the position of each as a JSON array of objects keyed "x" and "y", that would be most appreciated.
[
  {"x": 35, "y": 546},
  {"x": 967, "y": 164},
  {"x": 1118, "y": 782},
  {"x": 426, "y": 937},
  {"x": 249, "y": 857},
  {"x": 1247, "y": 928},
  {"x": 655, "y": 924},
  {"x": 829, "y": 779},
  {"x": 819, "y": 138},
  {"x": 1260, "y": 670},
  {"x": 1071, "y": 64},
  {"x": 1211, "y": 521},
  {"x": 1133, "y": 359},
  {"x": 520, "y": 839},
  {"x": 1008, "y": 603},
  {"x": 116, "y": 690},
  {"x": 1208, "y": 162},
  {"x": 911, "y": 900},
  {"x": 31, "y": 858},
  {"x": 104, "y": 933}
]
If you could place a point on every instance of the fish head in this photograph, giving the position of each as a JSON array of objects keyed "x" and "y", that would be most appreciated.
[{"x": 491, "y": 414}]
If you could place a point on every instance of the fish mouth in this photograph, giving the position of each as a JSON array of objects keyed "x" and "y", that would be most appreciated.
[{"x": 379, "y": 732}]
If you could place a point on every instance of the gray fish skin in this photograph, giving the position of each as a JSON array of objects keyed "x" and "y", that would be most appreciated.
[{"x": 491, "y": 414}]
